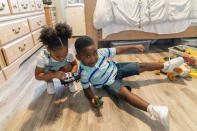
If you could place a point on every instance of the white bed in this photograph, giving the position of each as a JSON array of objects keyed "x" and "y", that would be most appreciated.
[
  {"x": 163, "y": 28},
  {"x": 155, "y": 16}
]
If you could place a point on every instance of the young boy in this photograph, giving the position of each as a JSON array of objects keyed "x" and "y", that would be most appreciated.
[{"x": 96, "y": 70}]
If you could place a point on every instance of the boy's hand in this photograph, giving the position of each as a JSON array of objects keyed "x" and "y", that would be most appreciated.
[
  {"x": 93, "y": 101},
  {"x": 140, "y": 48},
  {"x": 60, "y": 75}
]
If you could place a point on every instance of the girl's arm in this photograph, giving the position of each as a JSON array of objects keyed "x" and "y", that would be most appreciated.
[
  {"x": 121, "y": 49},
  {"x": 48, "y": 76},
  {"x": 74, "y": 66}
]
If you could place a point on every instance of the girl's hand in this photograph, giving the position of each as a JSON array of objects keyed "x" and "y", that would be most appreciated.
[
  {"x": 93, "y": 102},
  {"x": 140, "y": 48},
  {"x": 60, "y": 75}
]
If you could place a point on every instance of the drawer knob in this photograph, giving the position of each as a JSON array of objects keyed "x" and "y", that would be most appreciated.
[
  {"x": 25, "y": 6},
  {"x": 39, "y": 23},
  {"x": 39, "y": 5},
  {"x": 16, "y": 31},
  {"x": 2, "y": 6},
  {"x": 21, "y": 49}
]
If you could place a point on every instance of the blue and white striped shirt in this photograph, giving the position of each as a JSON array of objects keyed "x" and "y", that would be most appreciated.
[{"x": 104, "y": 71}]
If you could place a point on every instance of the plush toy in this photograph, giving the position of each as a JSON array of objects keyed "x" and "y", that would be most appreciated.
[{"x": 182, "y": 70}]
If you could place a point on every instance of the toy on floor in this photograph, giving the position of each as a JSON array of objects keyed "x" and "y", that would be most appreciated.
[
  {"x": 182, "y": 71},
  {"x": 74, "y": 77},
  {"x": 189, "y": 54},
  {"x": 193, "y": 73},
  {"x": 98, "y": 101},
  {"x": 190, "y": 57}
]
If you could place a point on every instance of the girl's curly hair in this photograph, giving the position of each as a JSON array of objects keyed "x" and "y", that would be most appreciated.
[{"x": 56, "y": 38}]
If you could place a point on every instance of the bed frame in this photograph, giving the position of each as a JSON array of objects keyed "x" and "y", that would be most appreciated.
[{"x": 127, "y": 35}]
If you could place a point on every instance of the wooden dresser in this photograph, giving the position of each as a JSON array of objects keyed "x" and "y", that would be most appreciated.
[
  {"x": 20, "y": 26},
  {"x": 50, "y": 13}
]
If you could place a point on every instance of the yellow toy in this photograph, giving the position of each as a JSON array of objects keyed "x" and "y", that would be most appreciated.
[
  {"x": 183, "y": 70},
  {"x": 193, "y": 73},
  {"x": 192, "y": 52}
]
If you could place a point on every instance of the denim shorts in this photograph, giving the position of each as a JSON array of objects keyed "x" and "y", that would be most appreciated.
[{"x": 124, "y": 70}]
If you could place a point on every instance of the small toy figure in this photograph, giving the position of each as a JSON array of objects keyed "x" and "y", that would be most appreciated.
[{"x": 98, "y": 101}]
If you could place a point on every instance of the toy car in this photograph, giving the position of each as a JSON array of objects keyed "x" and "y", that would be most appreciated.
[{"x": 74, "y": 77}]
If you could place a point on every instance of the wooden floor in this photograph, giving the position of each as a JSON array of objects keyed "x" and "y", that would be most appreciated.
[{"x": 25, "y": 105}]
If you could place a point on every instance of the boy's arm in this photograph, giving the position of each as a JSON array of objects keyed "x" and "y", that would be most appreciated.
[
  {"x": 74, "y": 66},
  {"x": 122, "y": 49},
  {"x": 90, "y": 95}
]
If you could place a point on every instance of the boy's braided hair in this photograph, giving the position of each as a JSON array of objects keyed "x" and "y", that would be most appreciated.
[{"x": 56, "y": 38}]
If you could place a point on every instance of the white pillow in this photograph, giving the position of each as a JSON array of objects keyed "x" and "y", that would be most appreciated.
[{"x": 103, "y": 14}]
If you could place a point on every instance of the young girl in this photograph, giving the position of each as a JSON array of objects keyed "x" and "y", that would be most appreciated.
[{"x": 55, "y": 61}]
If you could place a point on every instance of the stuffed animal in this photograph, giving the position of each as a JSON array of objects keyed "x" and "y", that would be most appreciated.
[{"x": 182, "y": 71}]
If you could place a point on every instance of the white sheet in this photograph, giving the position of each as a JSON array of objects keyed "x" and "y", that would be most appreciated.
[
  {"x": 160, "y": 28},
  {"x": 133, "y": 13}
]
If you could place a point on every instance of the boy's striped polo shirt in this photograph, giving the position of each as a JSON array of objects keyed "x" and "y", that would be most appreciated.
[{"x": 104, "y": 71}]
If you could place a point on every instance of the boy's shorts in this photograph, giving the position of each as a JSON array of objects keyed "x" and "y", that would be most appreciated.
[{"x": 124, "y": 70}]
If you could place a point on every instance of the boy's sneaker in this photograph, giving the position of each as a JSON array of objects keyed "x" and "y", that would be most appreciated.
[
  {"x": 160, "y": 113},
  {"x": 170, "y": 65},
  {"x": 50, "y": 88}
]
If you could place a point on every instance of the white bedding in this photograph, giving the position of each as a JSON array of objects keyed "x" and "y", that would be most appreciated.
[
  {"x": 157, "y": 16},
  {"x": 159, "y": 28}
]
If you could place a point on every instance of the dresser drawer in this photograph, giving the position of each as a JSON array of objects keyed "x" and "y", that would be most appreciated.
[
  {"x": 14, "y": 7},
  {"x": 24, "y": 5},
  {"x": 12, "y": 30},
  {"x": 36, "y": 22},
  {"x": 17, "y": 48},
  {"x": 12, "y": 68},
  {"x": 2, "y": 78},
  {"x": 4, "y": 8},
  {"x": 36, "y": 35},
  {"x": 39, "y": 4}
]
